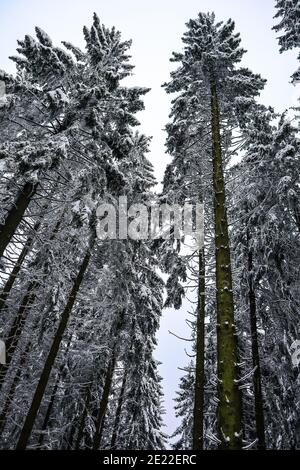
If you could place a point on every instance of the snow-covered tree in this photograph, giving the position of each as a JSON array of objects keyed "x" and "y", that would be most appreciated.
[
  {"x": 266, "y": 233},
  {"x": 72, "y": 293},
  {"x": 184, "y": 408},
  {"x": 288, "y": 13},
  {"x": 213, "y": 96}
]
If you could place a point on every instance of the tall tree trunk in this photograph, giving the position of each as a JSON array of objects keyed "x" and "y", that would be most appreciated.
[
  {"x": 118, "y": 413},
  {"x": 230, "y": 405},
  {"x": 19, "y": 321},
  {"x": 49, "y": 411},
  {"x": 104, "y": 402},
  {"x": 17, "y": 267},
  {"x": 53, "y": 394},
  {"x": 48, "y": 366},
  {"x": 13, "y": 275},
  {"x": 258, "y": 395},
  {"x": 83, "y": 418},
  {"x": 16, "y": 329},
  {"x": 15, "y": 215},
  {"x": 107, "y": 382},
  {"x": 12, "y": 390},
  {"x": 200, "y": 346}
]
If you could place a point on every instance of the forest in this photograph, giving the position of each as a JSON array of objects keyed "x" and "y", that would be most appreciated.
[{"x": 80, "y": 313}]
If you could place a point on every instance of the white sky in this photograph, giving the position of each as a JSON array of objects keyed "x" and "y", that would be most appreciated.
[{"x": 156, "y": 28}]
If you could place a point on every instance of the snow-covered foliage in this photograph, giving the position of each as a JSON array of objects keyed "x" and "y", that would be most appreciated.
[
  {"x": 288, "y": 14},
  {"x": 75, "y": 311},
  {"x": 79, "y": 316}
]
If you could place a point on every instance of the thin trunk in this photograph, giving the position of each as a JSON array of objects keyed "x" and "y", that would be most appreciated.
[
  {"x": 16, "y": 329},
  {"x": 49, "y": 411},
  {"x": 53, "y": 395},
  {"x": 48, "y": 366},
  {"x": 15, "y": 215},
  {"x": 14, "y": 274},
  {"x": 118, "y": 413},
  {"x": 199, "y": 373},
  {"x": 83, "y": 418},
  {"x": 107, "y": 384},
  {"x": 12, "y": 390},
  {"x": 230, "y": 405},
  {"x": 104, "y": 402},
  {"x": 258, "y": 395},
  {"x": 20, "y": 319}
]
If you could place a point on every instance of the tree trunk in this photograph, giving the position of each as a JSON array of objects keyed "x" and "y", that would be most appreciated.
[
  {"x": 118, "y": 413},
  {"x": 11, "y": 392},
  {"x": 49, "y": 411},
  {"x": 44, "y": 378},
  {"x": 200, "y": 346},
  {"x": 230, "y": 406},
  {"x": 53, "y": 395},
  {"x": 16, "y": 329},
  {"x": 104, "y": 402},
  {"x": 258, "y": 395},
  {"x": 14, "y": 274},
  {"x": 15, "y": 215},
  {"x": 83, "y": 418}
]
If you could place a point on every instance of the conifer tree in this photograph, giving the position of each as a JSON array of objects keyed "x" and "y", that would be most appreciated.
[
  {"x": 83, "y": 119},
  {"x": 264, "y": 236},
  {"x": 208, "y": 75},
  {"x": 184, "y": 408},
  {"x": 288, "y": 13}
]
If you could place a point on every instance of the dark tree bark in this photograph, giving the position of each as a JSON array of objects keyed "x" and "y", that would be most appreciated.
[
  {"x": 53, "y": 395},
  {"x": 13, "y": 275},
  {"x": 83, "y": 418},
  {"x": 258, "y": 395},
  {"x": 49, "y": 411},
  {"x": 15, "y": 215},
  {"x": 48, "y": 366},
  {"x": 230, "y": 406},
  {"x": 20, "y": 319},
  {"x": 17, "y": 267},
  {"x": 118, "y": 413},
  {"x": 17, "y": 328},
  {"x": 12, "y": 390},
  {"x": 200, "y": 346},
  {"x": 104, "y": 402}
]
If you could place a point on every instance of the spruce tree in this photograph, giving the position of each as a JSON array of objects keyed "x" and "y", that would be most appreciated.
[
  {"x": 208, "y": 72},
  {"x": 88, "y": 153},
  {"x": 265, "y": 233},
  {"x": 288, "y": 13}
]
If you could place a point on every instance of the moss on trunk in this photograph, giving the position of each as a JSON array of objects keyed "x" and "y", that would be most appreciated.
[{"x": 230, "y": 407}]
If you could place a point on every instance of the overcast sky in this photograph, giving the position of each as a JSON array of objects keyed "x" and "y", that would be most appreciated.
[{"x": 156, "y": 28}]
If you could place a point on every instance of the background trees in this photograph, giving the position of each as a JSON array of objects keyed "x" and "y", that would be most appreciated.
[{"x": 288, "y": 13}]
